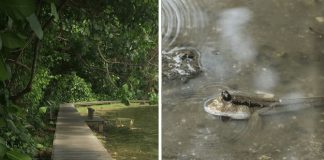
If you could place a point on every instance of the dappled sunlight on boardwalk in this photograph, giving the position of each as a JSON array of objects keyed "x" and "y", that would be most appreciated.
[{"x": 74, "y": 139}]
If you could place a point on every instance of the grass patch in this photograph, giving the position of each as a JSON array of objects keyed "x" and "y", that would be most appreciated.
[{"x": 139, "y": 142}]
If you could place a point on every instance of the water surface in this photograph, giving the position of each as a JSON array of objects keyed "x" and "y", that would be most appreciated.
[{"x": 245, "y": 45}]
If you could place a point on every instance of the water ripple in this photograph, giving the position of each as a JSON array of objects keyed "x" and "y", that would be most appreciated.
[{"x": 181, "y": 19}]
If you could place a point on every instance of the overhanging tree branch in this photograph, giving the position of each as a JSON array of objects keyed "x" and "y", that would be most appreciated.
[
  {"x": 33, "y": 36},
  {"x": 32, "y": 74},
  {"x": 106, "y": 62},
  {"x": 18, "y": 63},
  {"x": 36, "y": 46}
]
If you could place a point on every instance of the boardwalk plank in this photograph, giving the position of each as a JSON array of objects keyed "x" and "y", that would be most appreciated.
[{"x": 74, "y": 139}]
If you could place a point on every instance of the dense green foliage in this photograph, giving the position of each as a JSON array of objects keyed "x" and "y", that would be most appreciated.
[
  {"x": 40, "y": 83},
  {"x": 54, "y": 51},
  {"x": 69, "y": 88}
]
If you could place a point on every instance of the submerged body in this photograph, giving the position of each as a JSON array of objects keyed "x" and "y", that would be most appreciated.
[{"x": 242, "y": 107}]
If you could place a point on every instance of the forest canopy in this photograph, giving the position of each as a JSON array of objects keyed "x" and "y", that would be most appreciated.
[{"x": 54, "y": 51}]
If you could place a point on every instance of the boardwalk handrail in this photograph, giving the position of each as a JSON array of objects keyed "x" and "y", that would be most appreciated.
[{"x": 107, "y": 102}]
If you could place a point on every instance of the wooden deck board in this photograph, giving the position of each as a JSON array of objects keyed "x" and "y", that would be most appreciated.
[{"x": 74, "y": 139}]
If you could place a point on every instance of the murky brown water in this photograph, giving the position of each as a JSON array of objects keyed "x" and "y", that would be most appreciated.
[{"x": 246, "y": 45}]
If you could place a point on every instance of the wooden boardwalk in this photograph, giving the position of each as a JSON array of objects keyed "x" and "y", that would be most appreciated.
[{"x": 74, "y": 139}]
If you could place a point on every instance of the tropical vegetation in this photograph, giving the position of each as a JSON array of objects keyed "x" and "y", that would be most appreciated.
[{"x": 55, "y": 51}]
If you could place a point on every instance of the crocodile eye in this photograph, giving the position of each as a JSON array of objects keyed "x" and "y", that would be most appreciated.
[{"x": 226, "y": 96}]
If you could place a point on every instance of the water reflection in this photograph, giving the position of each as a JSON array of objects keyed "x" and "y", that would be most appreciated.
[
  {"x": 265, "y": 79},
  {"x": 246, "y": 45},
  {"x": 232, "y": 24}
]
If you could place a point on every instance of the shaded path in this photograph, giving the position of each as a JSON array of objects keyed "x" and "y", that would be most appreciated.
[{"x": 74, "y": 139}]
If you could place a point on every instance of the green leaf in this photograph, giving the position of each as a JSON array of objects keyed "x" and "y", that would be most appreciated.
[
  {"x": 0, "y": 42},
  {"x": 12, "y": 109},
  {"x": 21, "y": 36},
  {"x": 10, "y": 22},
  {"x": 16, "y": 155},
  {"x": 2, "y": 124},
  {"x": 24, "y": 136},
  {"x": 12, "y": 126},
  {"x": 39, "y": 146},
  {"x": 3, "y": 150},
  {"x": 18, "y": 9},
  {"x": 2, "y": 141},
  {"x": 54, "y": 12},
  {"x": 35, "y": 25},
  {"x": 5, "y": 72},
  {"x": 12, "y": 40},
  {"x": 42, "y": 110},
  {"x": 16, "y": 109}
]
